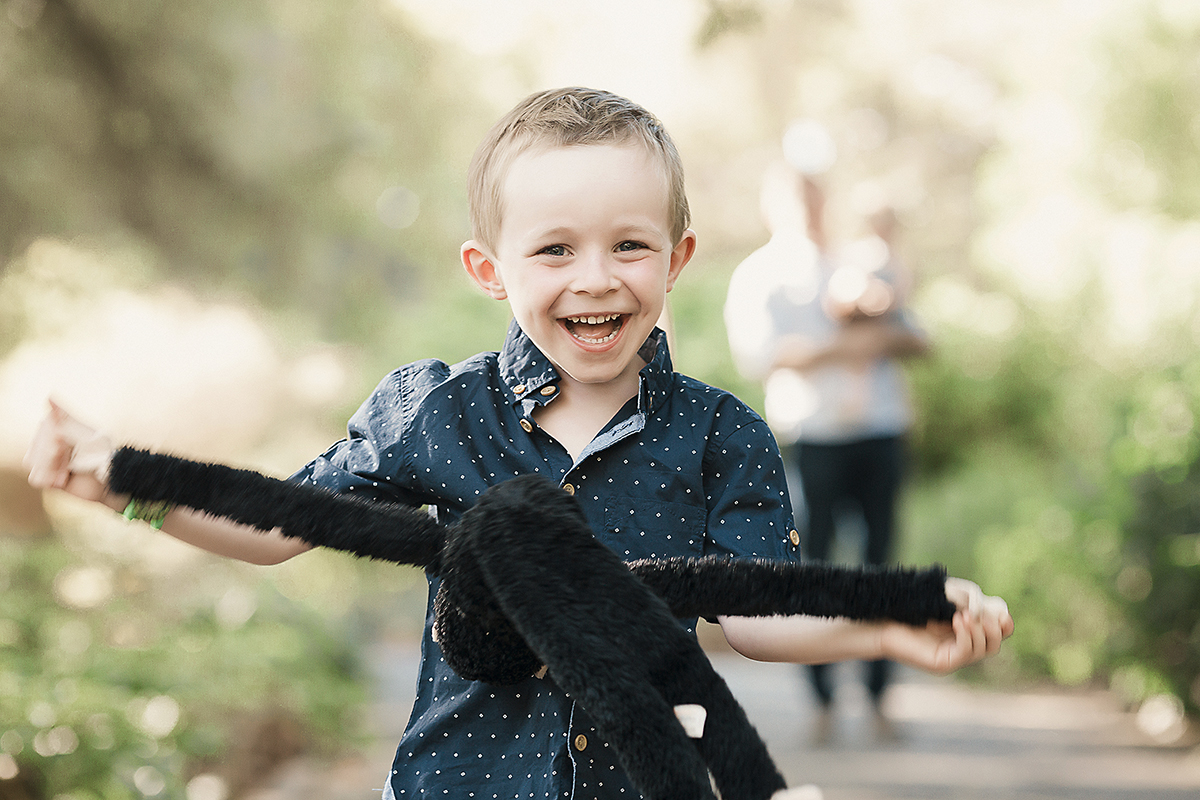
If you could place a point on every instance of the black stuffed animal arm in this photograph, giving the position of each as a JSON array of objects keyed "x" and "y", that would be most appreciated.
[
  {"x": 694, "y": 587},
  {"x": 524, "y": 582},
  {"x": 707, "y": 586},
  {"x": 388, "y": 532}
]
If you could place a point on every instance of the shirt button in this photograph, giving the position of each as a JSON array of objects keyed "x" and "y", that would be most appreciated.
[
  {"x": 519, "y": 388},
  {"x": 527, "y": 426},
  {"x": 549, "y": 390},
  {"x": 580, "y": 742},
  {"x": 569, "y": 488},
  {"x": 793, "y": 535}
]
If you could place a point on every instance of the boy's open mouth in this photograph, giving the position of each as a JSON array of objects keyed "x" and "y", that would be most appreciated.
[{"x": 596, "y": 329}]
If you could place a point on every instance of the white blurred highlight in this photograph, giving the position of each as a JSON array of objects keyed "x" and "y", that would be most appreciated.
[{"x": 160, "y": 369}]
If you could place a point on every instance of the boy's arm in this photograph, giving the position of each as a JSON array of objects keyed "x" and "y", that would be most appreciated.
[
  {"x": 977, "y": 630},
  {"x": 68, "y": 455}
]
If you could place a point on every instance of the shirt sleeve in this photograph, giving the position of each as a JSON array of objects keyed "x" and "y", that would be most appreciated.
[
  {"x": 372, "y": 461},
  {"x": 749, "y": 509}
]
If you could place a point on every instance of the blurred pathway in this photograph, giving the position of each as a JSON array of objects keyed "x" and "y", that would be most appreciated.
[{"x": 957, "y": 743}]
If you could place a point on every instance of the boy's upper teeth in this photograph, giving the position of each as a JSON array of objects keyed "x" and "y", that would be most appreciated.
[{"x": 594, "y": 320}]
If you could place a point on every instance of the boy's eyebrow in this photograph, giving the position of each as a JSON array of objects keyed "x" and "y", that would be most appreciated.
[
  {"x": 627, "y": 229},
  {"x": 555, "y": 232}
]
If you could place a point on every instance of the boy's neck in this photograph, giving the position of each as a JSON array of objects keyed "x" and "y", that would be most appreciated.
[{"x": 581, "y": 410}]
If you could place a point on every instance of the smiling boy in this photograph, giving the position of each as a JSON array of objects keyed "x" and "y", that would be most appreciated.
[
  {"x": 585, "y": 255},
  {"x": 580, "y": 223}
]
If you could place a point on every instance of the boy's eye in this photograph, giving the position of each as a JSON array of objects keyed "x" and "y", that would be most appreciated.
[
  {"x": 629, "y": 246},
  {"x": 553, "y": 250}
]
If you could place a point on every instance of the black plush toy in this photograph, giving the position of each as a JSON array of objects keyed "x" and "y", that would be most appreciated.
[{"x": 524, "y": 583}]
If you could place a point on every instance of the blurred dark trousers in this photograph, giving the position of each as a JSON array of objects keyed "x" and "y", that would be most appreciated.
[{"x": 864, "y": 475}]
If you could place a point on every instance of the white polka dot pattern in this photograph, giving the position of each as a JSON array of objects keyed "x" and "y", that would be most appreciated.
[{"x": 683, "y": 469}]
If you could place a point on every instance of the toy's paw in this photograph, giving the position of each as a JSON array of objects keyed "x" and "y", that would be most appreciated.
[
  {"x": 480, "y": 646},
  {"x": 692, "y": 718},
  {"x": 808, "y": 791}
]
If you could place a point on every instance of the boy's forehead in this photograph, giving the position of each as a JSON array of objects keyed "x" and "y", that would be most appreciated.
[
  {"x": 553, "y": 164},
  {"x": 544, "y": 172},
  {"x": 537, "y": 149}
]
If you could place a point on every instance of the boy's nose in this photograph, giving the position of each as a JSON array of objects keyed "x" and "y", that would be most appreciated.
[{"x": 595, "y": 275}]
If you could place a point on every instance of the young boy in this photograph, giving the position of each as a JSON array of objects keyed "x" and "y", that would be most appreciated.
[{"x": 581, "y": 224}]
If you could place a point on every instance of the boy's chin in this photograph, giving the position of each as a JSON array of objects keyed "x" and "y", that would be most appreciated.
[
  {"x": 591, "y": 369},
  {"x": 586, "y": 376}
]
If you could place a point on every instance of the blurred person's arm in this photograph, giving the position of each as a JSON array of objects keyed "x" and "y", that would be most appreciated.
[
  {"x": 748, "y": 324},
  {"x": 856, "y": 343},
  {"x": 68, "y": 455}
]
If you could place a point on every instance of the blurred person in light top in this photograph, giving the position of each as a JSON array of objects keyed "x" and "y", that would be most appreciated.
[
  {"x": 825, "y": 329},
  {"x": 580, "y": 224}
]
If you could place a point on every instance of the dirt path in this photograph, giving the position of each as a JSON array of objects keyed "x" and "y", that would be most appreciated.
[{"x": 957, "y": 742}]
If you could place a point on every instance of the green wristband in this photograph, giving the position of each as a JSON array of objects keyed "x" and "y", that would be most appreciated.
[{"x": 153, "y": 513}]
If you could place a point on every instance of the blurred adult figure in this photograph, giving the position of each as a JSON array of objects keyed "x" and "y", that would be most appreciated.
[{"x": 825, "y": 331}]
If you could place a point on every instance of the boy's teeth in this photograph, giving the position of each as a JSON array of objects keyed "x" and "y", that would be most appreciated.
[
  {"x": 594, "y": 320},
  {"x": 590, "y": 334}
]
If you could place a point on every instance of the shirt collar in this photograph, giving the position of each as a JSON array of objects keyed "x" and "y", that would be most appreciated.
[{"x": 526, "y": 371}]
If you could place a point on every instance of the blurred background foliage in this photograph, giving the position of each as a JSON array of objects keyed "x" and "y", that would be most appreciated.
[{"x": 222, "y": 223}]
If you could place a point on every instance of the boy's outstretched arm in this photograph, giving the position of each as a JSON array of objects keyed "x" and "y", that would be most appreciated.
[
  {"x": 69, "y": 455},
  {"x": 979, "y": 626}
]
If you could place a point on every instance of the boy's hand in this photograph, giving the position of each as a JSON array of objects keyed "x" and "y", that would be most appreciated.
[
  {"x": 66, "y": 454},
  {"x": 980, "y": 625},
  {"x": 991, "y": 613}
]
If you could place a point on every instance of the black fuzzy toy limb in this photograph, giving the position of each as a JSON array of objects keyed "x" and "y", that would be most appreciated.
[
  {"x": 478, "y": 642},
  {"x": 613, "y": 645},
  {"x": 718, "y": 586},
  {"x": 563, "y": 598},
  {"x": 388, "y": 532},
  {"x": 706, "y": 587}
]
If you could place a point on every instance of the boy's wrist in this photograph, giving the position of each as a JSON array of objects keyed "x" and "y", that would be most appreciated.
[
  {"x": 879, "y": 647},
  {"x": 116, "y": 502}
]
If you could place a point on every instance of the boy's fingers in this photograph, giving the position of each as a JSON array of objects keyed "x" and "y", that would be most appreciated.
[
  {"x": 975, "y": 640},
  {"x": 91, "y": 455},
  {"x": 964, "y": 645},
  {"x": 999, "y": 609},
  {"x": 43, "y": 456},
  {"x": 965, "y": 594},
  {"x": 62, "y": 445},
  {"x": 992, "y": 635}
]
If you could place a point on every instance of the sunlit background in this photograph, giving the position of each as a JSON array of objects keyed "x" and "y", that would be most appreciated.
[{"x": 221, "y": 223}]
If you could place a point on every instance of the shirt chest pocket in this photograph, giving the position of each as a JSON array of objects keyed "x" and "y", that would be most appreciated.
[{"x": 639, "y": 527}]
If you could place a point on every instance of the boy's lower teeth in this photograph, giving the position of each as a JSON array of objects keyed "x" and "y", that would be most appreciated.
[
  {"x": 593, "y": 334},
  {"x": 595, "y": 339}
]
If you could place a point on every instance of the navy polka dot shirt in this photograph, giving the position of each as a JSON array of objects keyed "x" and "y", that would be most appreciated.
[{"x": 683, "y": 470}]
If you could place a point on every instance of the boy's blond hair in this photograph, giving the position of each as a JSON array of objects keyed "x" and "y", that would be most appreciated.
[{"x": 564, "y": 118}]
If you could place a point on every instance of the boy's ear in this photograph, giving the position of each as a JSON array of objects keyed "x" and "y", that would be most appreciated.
[
  {"x": 482, "y": 269},
  {"x": 680, "y": 256}
]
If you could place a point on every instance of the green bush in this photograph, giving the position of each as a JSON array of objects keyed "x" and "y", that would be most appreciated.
[
  {"x": 1070, "y": 489},
  {"x": 133, "y": 696}
]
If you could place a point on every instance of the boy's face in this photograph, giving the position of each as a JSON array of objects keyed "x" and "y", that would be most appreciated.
[{"x": 584, "y": 256}]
